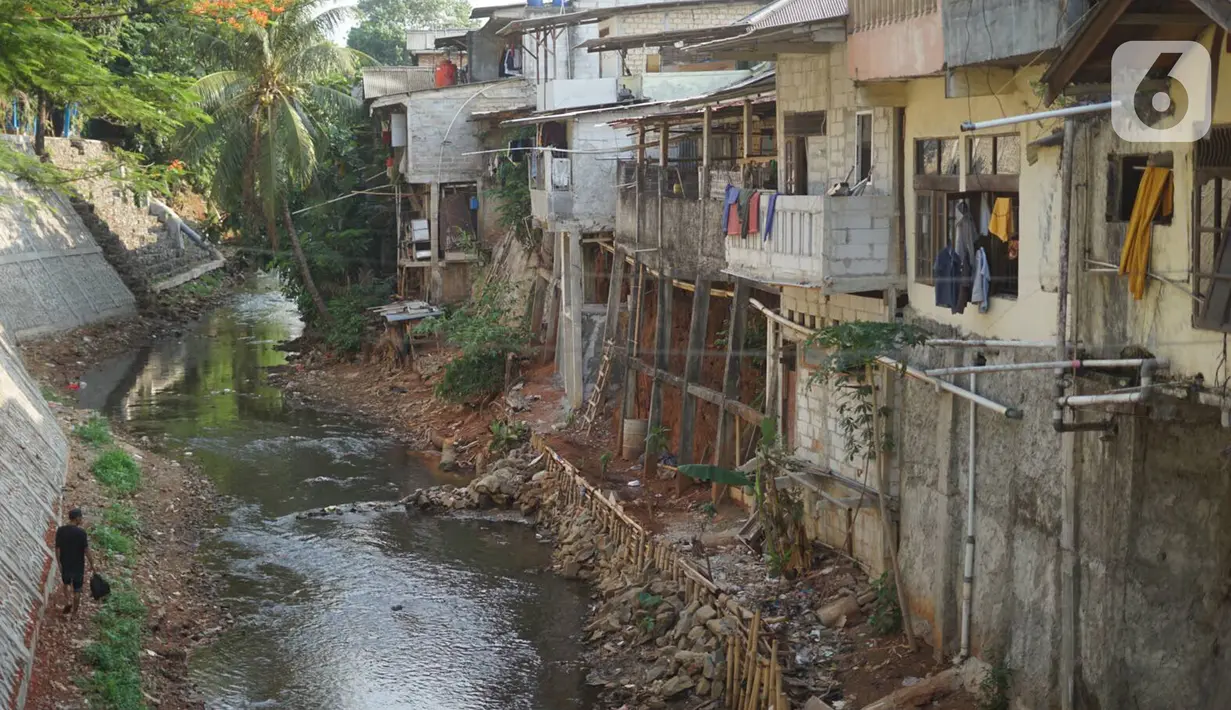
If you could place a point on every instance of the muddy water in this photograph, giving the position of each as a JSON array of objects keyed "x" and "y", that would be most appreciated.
[{"x": 477, "y": 624}]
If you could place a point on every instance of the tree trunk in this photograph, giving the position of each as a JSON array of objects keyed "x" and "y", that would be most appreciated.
[
  {"x": 308, "y": 283},
  {"x": 40, "y": 130}
]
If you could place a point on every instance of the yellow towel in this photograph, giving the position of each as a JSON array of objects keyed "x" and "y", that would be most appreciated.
[
  {"x": 1001, "y": 223},
  {"x": 1154, "y": 195}
]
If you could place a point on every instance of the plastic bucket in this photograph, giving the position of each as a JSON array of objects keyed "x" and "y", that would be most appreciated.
[
  {"x": 634, "y": 438},
  {"x": 534, "y": 3}
]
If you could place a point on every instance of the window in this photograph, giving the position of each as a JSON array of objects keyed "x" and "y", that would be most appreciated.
[
  {"x": 863, "y": 138},
  {"x": 927, "y": 244},
  {"x": 937, "y": 156},
  {"x": 804, "y": 123},
  {"x": 995, "y": 155},
  {"x": 1124, "y": 173},
  {"x": 1211, "y": 255}
]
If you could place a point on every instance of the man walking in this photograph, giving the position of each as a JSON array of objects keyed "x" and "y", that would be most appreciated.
[{"x": 72, "y": 553}]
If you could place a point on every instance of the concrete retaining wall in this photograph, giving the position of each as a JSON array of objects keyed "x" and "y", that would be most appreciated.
[
  {"x": 53, "y": 275},
  {"x": 33, "y": 461}
]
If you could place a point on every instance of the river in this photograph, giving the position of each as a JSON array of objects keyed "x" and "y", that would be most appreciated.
[{"x": 360, "y": 611}]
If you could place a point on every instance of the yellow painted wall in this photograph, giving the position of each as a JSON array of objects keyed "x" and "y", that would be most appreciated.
[{"x": 1032, "y": 315}]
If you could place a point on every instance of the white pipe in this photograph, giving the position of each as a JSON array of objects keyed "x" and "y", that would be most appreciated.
[
  {"x": 968, "y": 568},
  {"x": 1009, "y": 412},
  {"x": 1050, "y": 365},
  {"x": 1085, "y": 400},
  {"x": 958, "y": 343},
  {"x": 1041, "y": 115}
]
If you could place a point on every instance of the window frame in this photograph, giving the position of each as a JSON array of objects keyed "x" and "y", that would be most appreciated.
[
  {"x": 1203, "y": 282},
  {"x": 1116, "y": 207},
  {"x": 860, "y": 172}
]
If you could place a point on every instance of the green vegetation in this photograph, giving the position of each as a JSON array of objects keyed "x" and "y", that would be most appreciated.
[
  {"x": 111, "y": 540},
  {"x": 512, "y": 192},
  {"x": 122, "y": 517},
  {"x": 115, "y": 683},
  {"x": 507, "y": 434},
  {"x": 487, "y": 333},
  {"x": 51, "y": 395},
  {"x": 279, "y": 81},
  {"x": 381, "y": 30},
  {"x": 117, "y": 471},
  {"x": 350, "y": 319},
  {"x": 994, "y": 688},
  {"x": 96, "y": 431},
  {"x": 886, "y": 616}
]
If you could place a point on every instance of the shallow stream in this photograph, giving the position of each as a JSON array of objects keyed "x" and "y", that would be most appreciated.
[{"x": 479, "y": 625}]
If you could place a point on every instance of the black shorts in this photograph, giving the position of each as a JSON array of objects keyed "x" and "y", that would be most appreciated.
[{"x": 73, "y": 577}]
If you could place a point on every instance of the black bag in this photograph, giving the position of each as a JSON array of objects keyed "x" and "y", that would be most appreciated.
[{"x": 99, "y": 587}]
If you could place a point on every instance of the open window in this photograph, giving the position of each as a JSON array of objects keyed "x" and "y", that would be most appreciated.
[
  {"x": 863, "y": 140},
  {"x": 1124, "y": 173},
  {"x": 797, "y": 127},
  {"x": 991, "y": 197}
]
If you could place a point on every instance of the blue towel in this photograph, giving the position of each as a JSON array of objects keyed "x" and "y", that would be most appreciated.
[
  {"x": 730, "y": 198},
  {"x": 769, "y": 217}
]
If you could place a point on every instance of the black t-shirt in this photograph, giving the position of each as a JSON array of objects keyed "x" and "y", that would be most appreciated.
[{"x": 72, "y": 542}]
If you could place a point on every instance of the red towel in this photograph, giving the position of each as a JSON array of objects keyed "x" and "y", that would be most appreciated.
[{"x": 754, "y": 213}]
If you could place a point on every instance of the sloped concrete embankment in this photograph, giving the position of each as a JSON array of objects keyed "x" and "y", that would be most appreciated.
[
  {"x": 53, "y": 275},
  {"x": 33, "y": 461}
]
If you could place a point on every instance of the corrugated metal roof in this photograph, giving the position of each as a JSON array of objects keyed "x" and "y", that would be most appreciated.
[
  {"x": 386, "y": 81},
  {"x": 791, "y": 12},
  {"x": 578, "y": 17}
]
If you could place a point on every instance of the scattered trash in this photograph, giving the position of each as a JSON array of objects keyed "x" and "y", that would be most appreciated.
[
  {"x": 910, "y": 680},
  {"x": 634, "y": 483},
  {"x": 395, "y": 607}
]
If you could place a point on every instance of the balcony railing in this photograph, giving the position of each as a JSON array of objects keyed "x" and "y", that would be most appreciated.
[
  {"x": 869, "y": 14},
  {"x": 840, "y": 244}
]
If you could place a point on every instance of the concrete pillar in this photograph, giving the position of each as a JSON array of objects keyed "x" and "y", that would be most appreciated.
[
  {"x": 947, "y": 570},
  {"x": 692, "y": 367},
  {"x": 436, "y": 284},
  {"x": 571, "y": 292},
  {"x": 662, "y": 348}
]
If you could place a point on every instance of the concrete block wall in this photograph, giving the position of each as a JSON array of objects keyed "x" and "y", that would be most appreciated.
[
  {"x": 33, "y": 463},
  {"x": 685, "y": 18},
  {"x": 53, "y": 275},
  {"x": 154, "y": 252},
  {"x": 820, "y": 82},
  {"x": 441, "y": 132}
]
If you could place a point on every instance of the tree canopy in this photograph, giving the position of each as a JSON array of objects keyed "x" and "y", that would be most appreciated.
[{"x": 381, "y": 30}]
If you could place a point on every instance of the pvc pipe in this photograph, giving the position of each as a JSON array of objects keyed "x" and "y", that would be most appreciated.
[
  {"x": 1050, "y": 365},
  {"x": 958, "y": 343},
  {"x": 1009, "y": 412},
  {"x": 1041, "y": 115},
  {"x": 1085, "y": 400},
  {"x": 968, "y": 567}
]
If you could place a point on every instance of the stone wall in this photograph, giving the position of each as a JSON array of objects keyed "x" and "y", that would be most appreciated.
[
  {"x": 53, "y": 275},
  {"x": 1153, "y": 531},
  {"x": 152, "y": 253},
  {"x": 33, "y": 461}
]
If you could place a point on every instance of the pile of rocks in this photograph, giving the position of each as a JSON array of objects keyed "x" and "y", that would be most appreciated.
[
  {"x": 652, "y": 648},
  {"x": 500, "y": 486}
]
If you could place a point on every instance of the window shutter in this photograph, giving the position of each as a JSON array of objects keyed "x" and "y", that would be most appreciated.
[
  {"x": 804, "y": 123},
  {"x": 1216, "y": 314}
]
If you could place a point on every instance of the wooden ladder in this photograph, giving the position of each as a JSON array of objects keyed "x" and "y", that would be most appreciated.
[{"x": 595, "y": 402}]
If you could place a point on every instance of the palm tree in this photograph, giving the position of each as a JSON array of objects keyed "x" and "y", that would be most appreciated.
[{"x": 263, "y": 133}]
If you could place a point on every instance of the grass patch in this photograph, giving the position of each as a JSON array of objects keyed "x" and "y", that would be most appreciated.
[
  {"x": 111, "y": 540},
  {"x": 122, "y": 517},
  {"x": 115, "y": 683},
  {"x": 51, "y": 395},
  {"x": 96, "y": 431},
  {"x": 117, "y": 471}
]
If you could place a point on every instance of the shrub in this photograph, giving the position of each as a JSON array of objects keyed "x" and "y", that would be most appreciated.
[
  {"x": 96, "y": 431},
  {"x": 350, "y": 318},
  {"x": 117, "y": 471},
  {"x": 886, "y": 616},
  {"x": 486, "y": 332},
  {"x": 507, "y": 434}
]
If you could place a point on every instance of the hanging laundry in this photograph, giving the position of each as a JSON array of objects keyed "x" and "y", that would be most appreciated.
[
  {"x": 985, "y": 215},
  {"x": 1154, "y": 196},
  {"x": 1002, "y": 219},
  {"x": 946, "y": 271},
  {"x": 981, "y": 293},
  {"x": 750, "y": 221},
  {"x": 769, "y": 216},
  {"x": 730, "y": 197}
]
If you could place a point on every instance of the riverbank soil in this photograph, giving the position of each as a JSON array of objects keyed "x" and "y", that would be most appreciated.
[
  {"x": 840, "y": 659},
  {"x": 174, "y": 507},
  {"x": 58, "y": 361}
]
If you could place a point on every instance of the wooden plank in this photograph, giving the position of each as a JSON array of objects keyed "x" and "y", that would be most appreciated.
[
  {"x": 730, "y": 380},
  {"x": 662, "y": 347},
  {"x": 692, "y": 368}
]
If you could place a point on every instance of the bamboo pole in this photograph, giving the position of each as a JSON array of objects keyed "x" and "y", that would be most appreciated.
[
  {"x": 730, "y": 675},
  {"x": 753, "y": 632}
]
